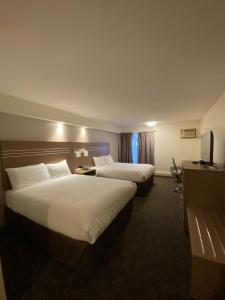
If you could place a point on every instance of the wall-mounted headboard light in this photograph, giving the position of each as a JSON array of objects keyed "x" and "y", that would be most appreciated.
[{"x": 80, "y": 152}]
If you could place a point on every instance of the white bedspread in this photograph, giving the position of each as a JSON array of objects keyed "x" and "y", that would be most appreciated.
[
  {"x": 80, "y": 207},
  {"x": 124, "y": 171}
]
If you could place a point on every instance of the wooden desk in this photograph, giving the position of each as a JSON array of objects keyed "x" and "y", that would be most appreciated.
[
  {"x": 204, "y": 186},
  {"x": 204, "y": 200}
]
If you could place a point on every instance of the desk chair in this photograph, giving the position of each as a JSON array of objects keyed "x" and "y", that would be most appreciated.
[{"x": 177, "y": 175}]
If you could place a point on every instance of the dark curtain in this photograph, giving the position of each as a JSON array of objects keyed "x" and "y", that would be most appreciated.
[
  {"x": 125, "y": 150},
  {"x": 146, "y": 147}
]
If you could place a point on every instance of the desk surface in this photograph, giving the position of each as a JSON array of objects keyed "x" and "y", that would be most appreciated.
[{"x": 188, "y": 165}]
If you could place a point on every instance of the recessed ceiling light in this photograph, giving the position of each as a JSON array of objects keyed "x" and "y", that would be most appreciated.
[{"x": 151, "y": 124}]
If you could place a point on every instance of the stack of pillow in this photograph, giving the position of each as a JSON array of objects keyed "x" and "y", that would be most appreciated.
[
  {"x": 29, "y": 175},
  {"x": 103, "y": 160}
]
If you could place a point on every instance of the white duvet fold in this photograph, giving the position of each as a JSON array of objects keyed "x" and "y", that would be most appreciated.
[
  {"x": 125, "y": 171},
  {"x": 80, "y": 207}
]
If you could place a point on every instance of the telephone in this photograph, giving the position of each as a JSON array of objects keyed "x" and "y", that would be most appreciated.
[{"x": 83, "y": 167}]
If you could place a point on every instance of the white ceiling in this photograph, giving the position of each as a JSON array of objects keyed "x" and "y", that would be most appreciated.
[{"x": 123, "y": 62}]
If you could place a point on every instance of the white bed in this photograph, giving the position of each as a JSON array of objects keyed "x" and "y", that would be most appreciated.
[
  {"x": 80, "y": 207},
  {"x": 124, "y": 171}
]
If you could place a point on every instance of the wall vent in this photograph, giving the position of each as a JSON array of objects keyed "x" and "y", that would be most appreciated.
[{"x": 188, "y": 133}]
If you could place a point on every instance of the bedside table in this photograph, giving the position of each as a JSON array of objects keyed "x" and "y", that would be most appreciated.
[{"x": 81, "y": 171}]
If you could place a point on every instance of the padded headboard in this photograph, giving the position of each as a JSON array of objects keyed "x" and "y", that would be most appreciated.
[{"x": 23, "y": 153}]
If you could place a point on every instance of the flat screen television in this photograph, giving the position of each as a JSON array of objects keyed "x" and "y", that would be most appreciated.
[{"x": 207, "y": 141}]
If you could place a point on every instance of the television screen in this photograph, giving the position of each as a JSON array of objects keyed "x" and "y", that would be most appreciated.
[{"x": 207, "y": 147}]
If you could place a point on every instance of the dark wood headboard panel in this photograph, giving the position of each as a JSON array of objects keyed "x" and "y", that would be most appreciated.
[{"x": 23, "y": 153}]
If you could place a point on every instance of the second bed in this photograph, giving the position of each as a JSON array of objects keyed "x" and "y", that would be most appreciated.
[{"x": 141, "y": 174}]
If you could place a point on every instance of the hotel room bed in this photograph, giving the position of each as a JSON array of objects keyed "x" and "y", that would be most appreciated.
[
  {"x": 80, "y": 207},
  {"x": 76, "y": 218},
  {"x": 141, "y": 174}
]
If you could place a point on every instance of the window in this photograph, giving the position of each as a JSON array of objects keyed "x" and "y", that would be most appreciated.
[{"x": 134, "y": 145}]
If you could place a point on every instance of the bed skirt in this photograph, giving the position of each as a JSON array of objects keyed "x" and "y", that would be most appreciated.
[
  {"x": 77, "y": 255},
  {"x": 144, "y": 187}
]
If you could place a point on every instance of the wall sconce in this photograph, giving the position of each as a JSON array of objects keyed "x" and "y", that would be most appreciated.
[
  {"x": 85, "y": 152},
  {"x": 80, "y": 152},
  {"x": 77, "y": 153}
]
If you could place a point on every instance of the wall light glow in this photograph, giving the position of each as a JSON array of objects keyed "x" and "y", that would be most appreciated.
[
  {"x": 151, "y": 124},
  {"x": 58, "y": 132},
  {"x": 59, "y": 129},
  {"x": 83, "y": 130},
  {"x": 83, "y": 134}
]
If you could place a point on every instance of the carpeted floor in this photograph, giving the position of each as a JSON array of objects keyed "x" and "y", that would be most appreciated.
[{"x": 151, "y": 259}]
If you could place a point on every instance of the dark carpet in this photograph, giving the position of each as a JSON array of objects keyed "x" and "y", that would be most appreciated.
[{"x": 151, "y": 259}]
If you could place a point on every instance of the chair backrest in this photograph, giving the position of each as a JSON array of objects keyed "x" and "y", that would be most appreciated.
[{"x": 174, "y": 165}]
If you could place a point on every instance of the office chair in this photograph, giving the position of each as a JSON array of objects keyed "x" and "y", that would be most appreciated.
[{"x": 177, "y": 175}]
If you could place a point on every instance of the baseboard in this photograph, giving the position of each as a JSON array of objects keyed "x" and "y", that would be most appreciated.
[{"x": 163, "y": 174}]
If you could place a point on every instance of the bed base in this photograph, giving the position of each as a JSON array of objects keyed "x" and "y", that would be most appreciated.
[
  {"x": 77, "y": 255},
  {"x": 144, "y": 187}
]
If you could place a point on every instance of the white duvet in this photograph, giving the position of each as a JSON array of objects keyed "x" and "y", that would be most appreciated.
[
  {"x": 125, "y": 171},
  {"x": 80, "y": 207}
]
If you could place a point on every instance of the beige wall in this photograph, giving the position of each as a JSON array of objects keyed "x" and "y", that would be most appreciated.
[
  {"x": 14, "y": 127},
  {"x": 215, "y": 120},
  {"x": 2, "y": 289},
  {"x": 22, "y": 128},
  {"x": 168, "y": 144}
]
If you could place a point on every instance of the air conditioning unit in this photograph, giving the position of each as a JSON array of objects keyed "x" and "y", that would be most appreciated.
[{"x": 188, "y": 133}]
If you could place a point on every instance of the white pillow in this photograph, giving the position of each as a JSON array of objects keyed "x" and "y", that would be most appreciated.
[
  {"x": 59, "y": 169},
  {"x": 99, "y": 161},
  {"x": 109, "y": 159},
  {"x": 26, "y": 176}
]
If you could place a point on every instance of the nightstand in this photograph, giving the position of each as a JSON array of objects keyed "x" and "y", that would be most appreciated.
[{"x": 81, "y": 171}]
